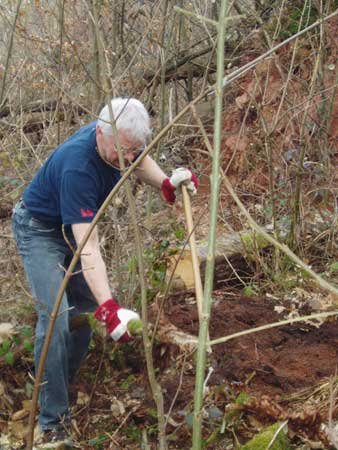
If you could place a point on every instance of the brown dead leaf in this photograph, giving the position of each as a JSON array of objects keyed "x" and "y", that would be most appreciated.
[
  {"x": 18, "y": 415},
  {"x": 242, "y": 100},
  {"x": 82, "y": 398},
  {"x": 6, "y": 331},
  {"x": 17, "y": 429},
  {"x": 26, "y": 404},
  {"x": 117, "y": 408},
  {"x": 5, "y": 398},
  {"x": 183, "y": 277},
  {"x": 237, "y": 145}
]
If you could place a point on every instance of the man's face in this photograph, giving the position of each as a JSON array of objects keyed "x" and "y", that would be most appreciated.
[{"x": 108, "y": 146}]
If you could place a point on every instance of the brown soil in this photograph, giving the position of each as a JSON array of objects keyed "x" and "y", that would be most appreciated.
[
  {"x": 279, "y": 369},
  {"x": 278, "y": 361}
]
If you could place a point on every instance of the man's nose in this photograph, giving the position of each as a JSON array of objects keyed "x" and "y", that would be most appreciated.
[{"x": 129, "y": 157}]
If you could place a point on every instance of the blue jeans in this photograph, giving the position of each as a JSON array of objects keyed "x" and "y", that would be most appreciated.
[{"x": 46, "y": 255}]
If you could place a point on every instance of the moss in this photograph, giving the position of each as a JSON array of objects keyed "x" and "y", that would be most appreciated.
[
  {"x": 242, "y": 398},
  {"x": 248, "y": 291},
  {"x": 263, "y": 439},
  {"x": 252, "y": 241}
]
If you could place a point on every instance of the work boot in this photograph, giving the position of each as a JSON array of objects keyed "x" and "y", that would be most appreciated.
[{"x": 57, "y": 439}]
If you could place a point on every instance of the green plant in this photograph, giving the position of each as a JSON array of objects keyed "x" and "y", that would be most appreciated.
[
  {"x": 253, "y": 242},
  {"x": 250, "y": 290},
  {"x": 180, "y": 233},
  {"x": 152, "y": 430},
  {"x": 6, "y": 353},
  {"x": 242, "y": 398},
  {"x": 127, "y": 382},
  {"x": 133, "y": 433},
  {"x": 152, "y": 413},
  {"x": 29, "y": 389},
  {"x": 291, "y": 25},
  {"x": 234, "y": 415},
  {"x": 98, "y": 442},
  {"x": 156, "y": 259},
  {"x": 132, "y": 264},
  {"x": 333, "y": 269},
  {"x": 19, "y": 344}
]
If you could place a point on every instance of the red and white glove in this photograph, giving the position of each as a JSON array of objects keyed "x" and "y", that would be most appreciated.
[
  {"x": 116, "y": 319},
  {"x": 178, "y": 177}
]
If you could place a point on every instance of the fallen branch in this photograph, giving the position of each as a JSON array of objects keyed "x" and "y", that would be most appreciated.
[
  {"x": 167, "y": 333},
  {"x": 172, "y": 70},
  {"x": 273, "y": 325},
  {"x": 38, "y": 106}
]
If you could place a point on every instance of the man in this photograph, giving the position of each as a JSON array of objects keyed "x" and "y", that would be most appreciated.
[{"x": 52, "y": 218}]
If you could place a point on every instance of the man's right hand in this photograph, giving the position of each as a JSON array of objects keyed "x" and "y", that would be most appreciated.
[{"x": 116, "y": 319}]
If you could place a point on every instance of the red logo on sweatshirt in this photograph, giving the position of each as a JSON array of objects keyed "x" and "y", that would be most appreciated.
[{"x": 87, "y": 212}]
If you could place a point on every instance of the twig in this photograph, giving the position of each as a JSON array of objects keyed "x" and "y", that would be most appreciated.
[
  {"x": 272, "y": 325},
  {"x": 233, "y": 270},
  {"x": 94, "y": 387},
  {"x": 292, "y": 239},
  {"x": 65, "y": 237},
  {"x": 205, "y": 19},
  {"x": 122, "y": 422},
  {"x": 177, "y": 390},
  {"x": 330, "y": 429}
]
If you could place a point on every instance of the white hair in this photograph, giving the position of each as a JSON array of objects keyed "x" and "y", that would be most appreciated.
[{"x": 130, "y": 116}]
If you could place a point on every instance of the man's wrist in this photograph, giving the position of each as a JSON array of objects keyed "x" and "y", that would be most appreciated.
[
  {"x": 168, "y": 190},
  {"x": 116, "y": 319},
  {"x": 106, "y": 308}
]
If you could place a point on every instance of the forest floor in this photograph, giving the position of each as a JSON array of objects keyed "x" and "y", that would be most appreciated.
[{"x": 281, "y": 374}]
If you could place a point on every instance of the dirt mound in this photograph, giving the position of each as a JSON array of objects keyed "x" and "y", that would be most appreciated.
[{"x": 277, "y": 361}]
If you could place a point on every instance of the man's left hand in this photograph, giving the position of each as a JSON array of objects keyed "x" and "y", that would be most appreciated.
[
  {"x": 179, "y": 176},
  {"x": 116, "y": 319}
]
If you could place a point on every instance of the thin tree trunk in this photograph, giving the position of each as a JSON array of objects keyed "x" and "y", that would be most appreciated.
[
  {"x": 9, "y": 52},
  {"x": 96, "y": 63},
  {"x": 209, "y": 276},
  {"x": 155, "y": 387},
  {"x": 162, "y": 61},
  {"x": 61, "y": 25}
]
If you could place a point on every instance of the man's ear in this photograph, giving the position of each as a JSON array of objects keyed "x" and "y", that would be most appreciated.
[
  {"x": 99, "y": 136},
  {"x": 99, "y": 131}
]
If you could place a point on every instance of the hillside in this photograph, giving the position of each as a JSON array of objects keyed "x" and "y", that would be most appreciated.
[{"x": 279, "y": 153}]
